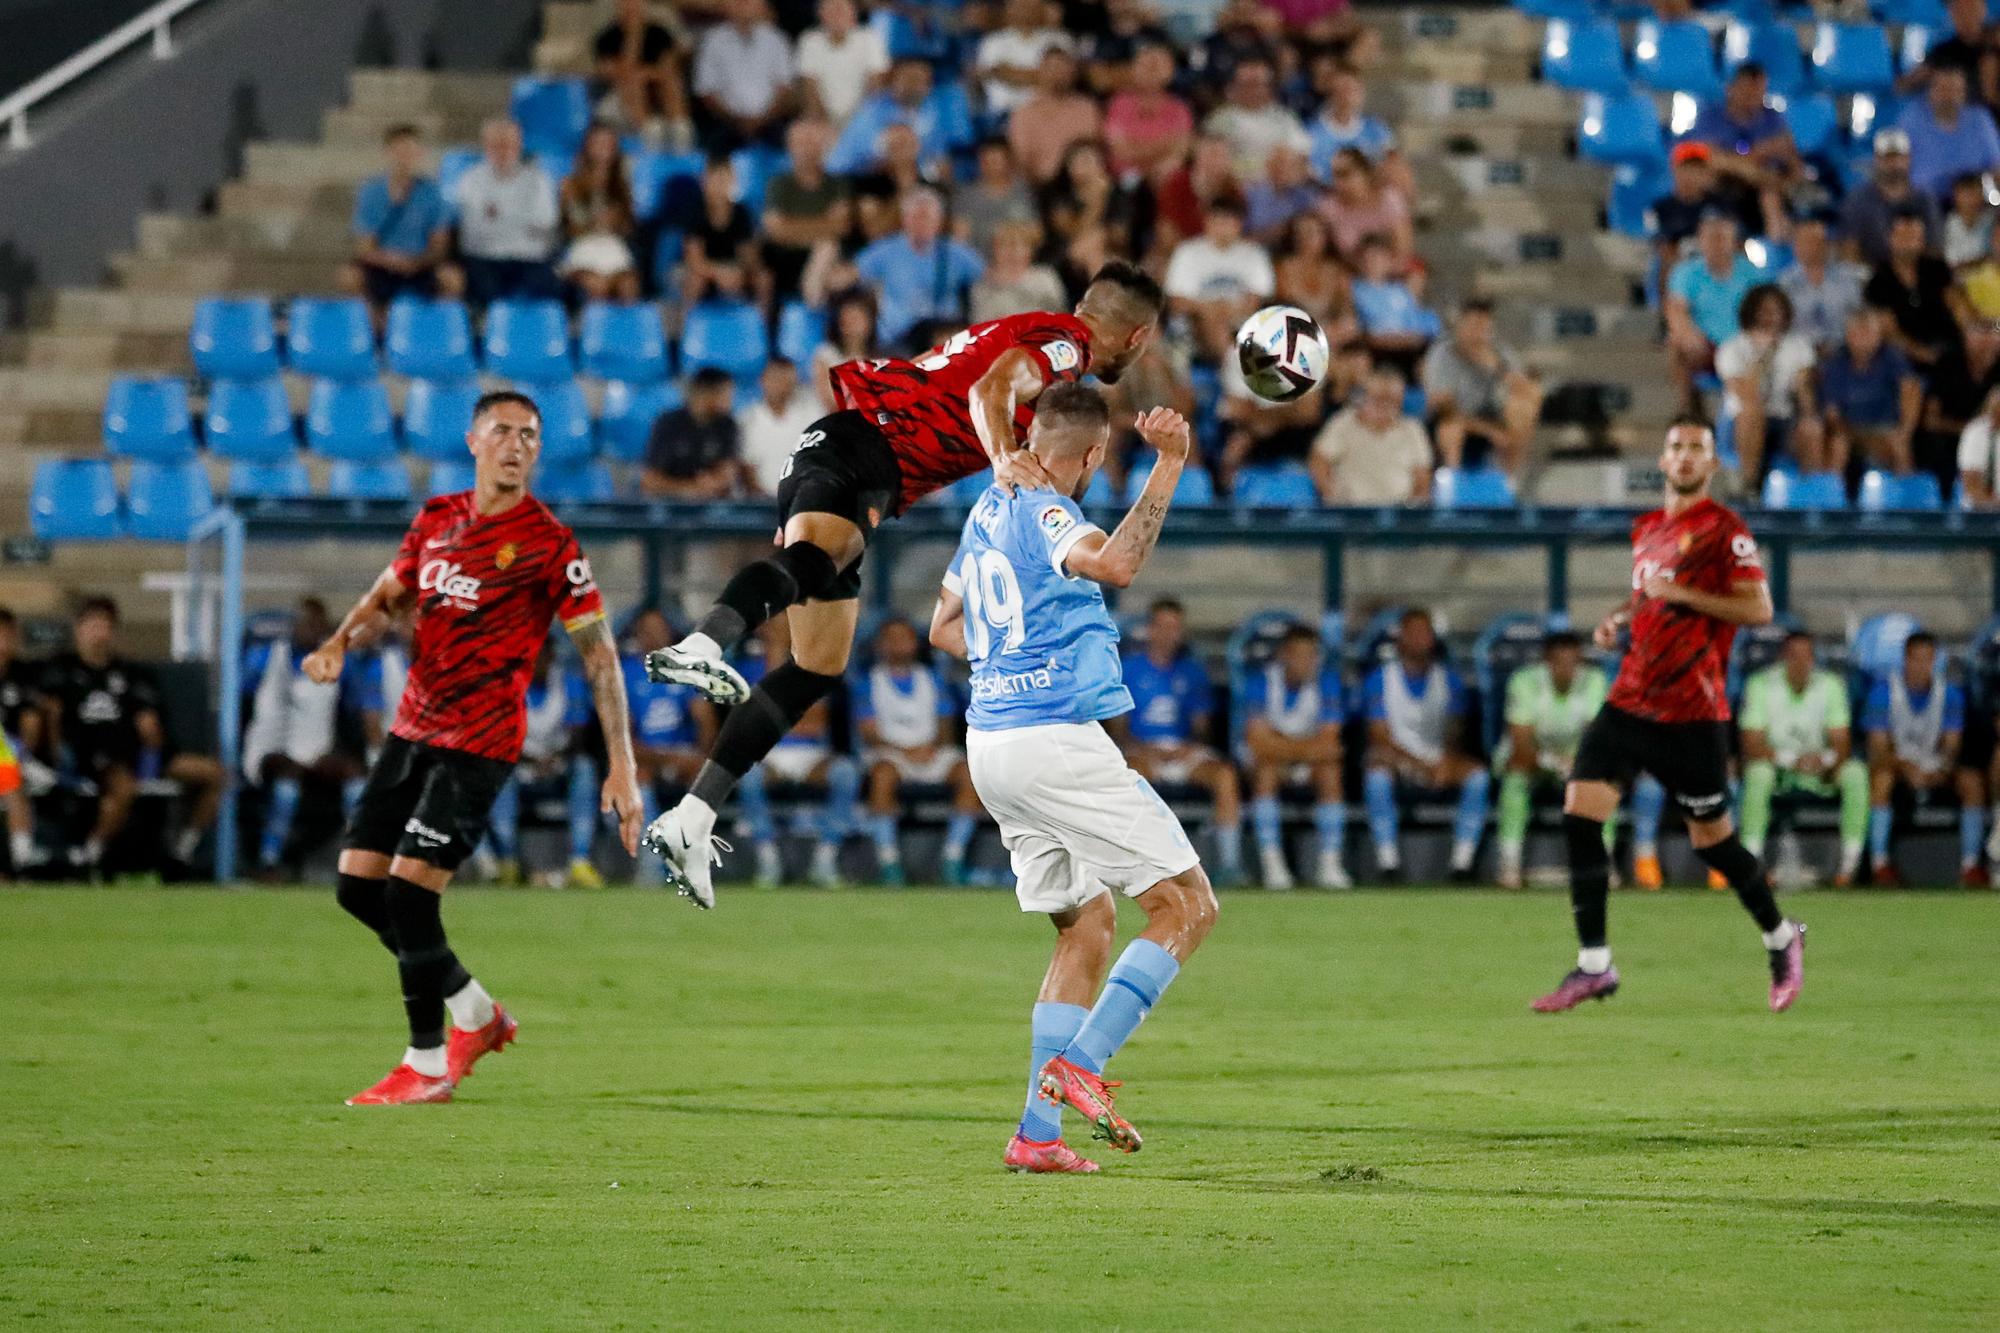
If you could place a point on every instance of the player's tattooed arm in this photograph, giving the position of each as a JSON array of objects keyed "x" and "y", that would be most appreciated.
[
  {"x": 1116, "y": 560},
  {"x": 1014, "y": 378},
  {"x": 948, "y": 624},
  {"x": 370, "y": 616},
  {"x": 606, "y": 677}
]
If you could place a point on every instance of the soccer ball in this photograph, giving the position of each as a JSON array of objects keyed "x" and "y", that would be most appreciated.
[{"x": 1282, "y": 352}]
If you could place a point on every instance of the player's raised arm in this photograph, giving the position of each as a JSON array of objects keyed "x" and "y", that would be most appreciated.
[
  {"x": 387, "y": 596},
  {"x": 1116, "y": 560},
  {"x": 606, "y": 677},
  {"x": 1014, "y": 378}
]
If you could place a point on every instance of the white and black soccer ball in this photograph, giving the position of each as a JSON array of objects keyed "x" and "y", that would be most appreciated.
[{"x": 1282, "y": 352}]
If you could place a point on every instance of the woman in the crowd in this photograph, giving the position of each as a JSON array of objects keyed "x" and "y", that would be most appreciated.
[{"x": 598, "y": 218}]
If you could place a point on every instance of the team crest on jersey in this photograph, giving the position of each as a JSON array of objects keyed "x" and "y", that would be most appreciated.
[
  {"x": 1063, "y": 355},
  {"x": 1055, "y": 521},
  {"x": 505, "y": 555}
]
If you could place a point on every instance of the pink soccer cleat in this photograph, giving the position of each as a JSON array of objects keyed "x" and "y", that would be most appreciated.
[
  {"x": 1577, "y": 987},
  {"x": 1043, "y": 1159},
  {"x": 1788, "y": 971},
  {"x": 1090, "y": 1096},
  {"x": 463, "y": 1049},
  {"x": 404, "y": 1086}
]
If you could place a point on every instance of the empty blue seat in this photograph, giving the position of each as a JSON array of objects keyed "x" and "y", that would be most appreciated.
[
  {"x": 566, "y": 430},
  {"x": 1805, "y": 490},
  {"x": 74, "y": 499},
  {"x": 288, "y": 480},
  {"x": 148, "y": 418},
  {"x": 1771, "y": 44},
  {"x": 1877, "y": 646},
  {"x": 1194, "y": 488},
  {"x": 1882, "y": 491},
  {"x": 437, "y": 415},
  {"x": 552, "y": 113},
  {"x": 1634, "y": 187},
  {"x": 1472, "y": 488},
  {"x": 430, "y": 339},
  {"x": 1675, "y": 57},
  {"x": 1281, "y": 486},
  {"x": 331, "y": 337},
  {"x": 1584, "y": 54},
  {"x": 629, "y": 413},
  {"x": 1914, "y": 46},
  {"x": 728, "y": 335},
  {"x": 755, "y": 168},
  {"x": 250, "y": 419},
  {"x": 1554, "y": 9},
  {"x": 450, "y": 475},
  {"x": 650, "y": 171},
  {"x": 587, "y": 483},
  {"x": 1851, "y": 58},
  {"x": 234, "y": 337},
  {"x": 1902, "y": 13},
  {"x": 1621, "y": 128},
  {"x": 369, "y": 479},
  {"x": 1813, "y": 120},
  {"x": 528, "y": 340},
  {"x": 624, "y": 342},
  {"x": 163, "y": 501},
  {"x": 453, "y": 163},
  {"x": 350, "y": 419},
  {"x": 801, "y": 329}
]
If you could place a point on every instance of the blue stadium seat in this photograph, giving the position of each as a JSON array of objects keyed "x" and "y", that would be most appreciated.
[
  {"x": 436, "y": 416},
  {"x": 1584, "y": 55},
  {"x": 1634, "y": 187},
  {"x": 331, "y": 337},
  {"x": 566, "y": 430},
  {"x": 801, "y": 329},
  {"x": 1805, "y": 490},
  {"x": 148, "y": 418},
  {"x": 1773, "y": 45},
  {"x": 1885, "y": 491},
  {"x": 728, "y": 335},
  {"x": 289, "y": 480},
  {"x": 1280, "y": 486},
  {"x": 234, "y": 337},
  {"x": 553, "y": 113},
  {"x": 453, "y": 163},
  {"x": 624, "y": 342},
  {"x": 1675, "y": 57},
  {"x": 430, "y": 339},
  {"x": 755, "y": 168},
  {"x": 250, "y": 419},
  {"x": 629, "y": 414},
  {"x": 1903, "y": 13},
  {"x": 651, "y": 170},
  {"x": 587, "y": 483},
  {"x": 1877, "y": 646},
  {"x": 449, "y": 475},
  {"x": 1851, "y": 58},
  {"x": 528, "y": 340},
  {"x": 1814, "y": 121},
  {"x": 369, "y": 479},
  {"x": 1623, "y": 128},
  {"x": 163, "y": 501},
  {"x": 1571, "y": 10},
  {"x": 1472, "y": 488},
  {"x": 350, "y": 419},
  {"x": 1194, "y": 488},
  {"x": 74, "y": 499}
]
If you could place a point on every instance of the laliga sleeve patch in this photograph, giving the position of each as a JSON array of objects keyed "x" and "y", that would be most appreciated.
[
  {"x": 1054, "y": 521},
  {"x": 1063, "y": 355}
]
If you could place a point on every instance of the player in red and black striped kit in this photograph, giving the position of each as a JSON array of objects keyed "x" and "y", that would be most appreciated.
[
  {"x": 1696, "y": 576},
  {"x": 482, "y": 572},
  {"x": 905, "y": 429}
]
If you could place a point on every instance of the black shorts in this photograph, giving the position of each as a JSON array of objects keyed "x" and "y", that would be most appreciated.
[
  {"x": 427, "y": 803},
  {"x": 1690, "y": 759},
  {"x": 843, "y": 467}
]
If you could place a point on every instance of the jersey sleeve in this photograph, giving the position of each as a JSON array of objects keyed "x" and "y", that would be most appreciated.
[
  {"x": 404, "y": 566},
  {"x": 1756, "y": 703},
  {"x": 1875, "y": 713},
  {"x": 1741, "y": 560},
  {"x": 1839, "y": 713},
  {"x": 1521, "y": 698},
  {"x": 572, "y": 588},
  {"x": 1061, "y": 357},
  {"x": 1051, "y": 525}
]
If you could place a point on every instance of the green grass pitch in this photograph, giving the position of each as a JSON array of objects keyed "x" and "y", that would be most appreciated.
[{"x": 790, "y": 1112}]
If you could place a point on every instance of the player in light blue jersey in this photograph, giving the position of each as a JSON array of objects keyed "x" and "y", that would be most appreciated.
[{"x": 1023, "y": 604}]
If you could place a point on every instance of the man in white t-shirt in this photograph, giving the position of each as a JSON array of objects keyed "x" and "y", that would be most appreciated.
[
  {"x": 769, "y": 429},
  {"x": 507, "y": 220},
  {"x": 840, "y": 61},
  {"x": 743, "y": 72},
  {"x": 1216, "y": 279},
  {"x": 1254, "y": 121},
  {"x": 1978, "y": 458},
  {"x": 1371, "y": 453},
  {"x": 1010, "y": 58}
]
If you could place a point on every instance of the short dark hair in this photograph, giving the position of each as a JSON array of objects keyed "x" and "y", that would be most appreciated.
[
  {"x": 99, "y": 605},
  {"x": 1298, "y": 632},
  {"x": 1069, "y": 405},
  {"x": 1416, "y": 613},
  {"x": 1918, "y": 638},
  {"x": 500, "y": 398},
  {"x": 1750, "y": 69},
  {"x": 1476, "y": 305},
  {"x": 1692, "y": 420},
  {"x": 7, "y": 617},
  {"x": 1562, "y": 638},
  {"x": 1160, "y": 604},
  {"x": 1132, "y": 283},
  {"x": 780, "y": 359},
  {"x": 717, "y": 158},
  {"x": 402, "y": 129},
  {"x": 1794, "y": 634},
  {"x": 995, "y": 141},
  {"x": 711, "y": 377}
]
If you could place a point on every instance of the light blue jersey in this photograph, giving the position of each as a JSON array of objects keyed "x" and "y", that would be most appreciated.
[{"x": 1043, "y": 645}]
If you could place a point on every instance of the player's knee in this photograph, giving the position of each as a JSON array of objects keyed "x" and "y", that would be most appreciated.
[{"x": 1704, "y": 834}]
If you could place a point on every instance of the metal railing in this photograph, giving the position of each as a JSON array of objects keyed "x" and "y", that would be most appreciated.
[{"x": 154, "y": 24}]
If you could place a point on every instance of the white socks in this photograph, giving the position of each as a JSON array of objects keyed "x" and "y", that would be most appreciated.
[
  {"x": 1781, "y": 938},
  {"x": 1594, "y": 961},
  {"x": 429, "y": 1063},
  {"x": 700, "y": 645},
  {"x": 471, "y": 1007},
  {"x": 22, "y": 847},
  {"x": 1462, "y": 854}
]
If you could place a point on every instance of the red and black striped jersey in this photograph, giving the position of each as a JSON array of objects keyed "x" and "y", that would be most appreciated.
[
  {"x": 487, "y": 587},
  {"x": 923, "y": 407},
  {"x": 1677, "y": 668}
]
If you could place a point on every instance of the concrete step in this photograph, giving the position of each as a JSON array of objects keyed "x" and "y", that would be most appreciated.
[
  {"x": 84, "y": 309},
  {"x": 164, "y": 352},
  {"x": 1524, "y": 104},
  {"x": 312, "y": 163},
  {"x": 63, "y": 430},
  {"x": 1471, "y": 173},
  {"x": 363, "y": 126},
  {"x": 414, "y": 90},
  {"x": 1455, "y": 63},
  {"x": 568, "y": 29},
  {"x": 1497, "y": 30},
  {"x": 202, "y": 275},
  {"x": 249, "y": 199},
  {"x": 1467, "y": 134},
  {"x": 25, "y": 387},
  {"x": 321, "y": 233}
]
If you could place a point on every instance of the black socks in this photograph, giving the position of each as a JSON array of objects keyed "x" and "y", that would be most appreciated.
[
  {"x": 760, "y": 590},
  {"x": 367, "y": 901},
  {"x": 757, "y": 725},
  {"x": 1589, "y": 877},
  {"x": 429, "y": 969},
  {"x": 1745, "y": 875}
]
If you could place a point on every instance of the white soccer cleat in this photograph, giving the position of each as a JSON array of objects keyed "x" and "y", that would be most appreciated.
[
  {"x": 691, "y": 852},
  {"x": 826, "y": 866},
  {"x": 678, "y": 665},
  {"x": 1332, "y": 874},
  {"x": 1277, "y": 875}
]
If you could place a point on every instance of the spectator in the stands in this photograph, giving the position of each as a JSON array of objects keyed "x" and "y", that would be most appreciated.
[
  {"x": 920, "y": 275},
  {"x": 1284, "y": 191},
  {"x": 292, "y": 739},
  {"x": 1824, "y": 288},
  {"x": 1870, "y": 208},
  {"x": 1253, "y": 121},
  {"x": 1979, "y": 458},
  {"x": 804, "y": 207},
  {"x": 939, "y": 115},
  {"x": 744, "y": 76},
  {"x": 996, "y": 197},
  {"x": 402, "y": 230},
  {"x": 1677, "y": 214},
  {"x": 1752, "y": 143},
  {"x": 1181, "y": 201},
  {"x": 840, "y": 61},
  {"x": 1767, "y": 387},
  {"x": 1214, "y": 280},
  {"x": 1981, "y": 281},
  {"x": 1483, "y": 406},
  {"x": 1361, "y": 205},
  {"x": 1419, "y": 739},
  {"x": 900, "y": 169},
  {"x": 1949, "y": 137},
  {"x": 850, "y": 336},
  {"x": 1703, "y": 293},
  {"x": 1014, "y": 283},
  {"x": 638, "y": 61},
  {"x": 1916, "y": 288},
  {"x": 718, "y": 237},
  {"x": 1955, "y": 391},
  {"x": 1009, "y": 59},
  {"x": 1090, "y": 216},
  {"x": 1968, "y": 45},
  {"x": 1870, "y": 397},
  {"x": 1239, "y": 32},
  {"x": 1343, "y": 122},
  {"x": 1968, "y": 223},
  {"x": 598, "y": 220},
  {"x": 1148, "y": 128},
  {"x": 1165, "y": 735},
  {"x": 1262, "y": 434},
  {"x": 768, "y": 429},
  {"x": 1347, "y": 370},
  {"x": 1053, "y": 116},
  {"x": 1373, "y": 453},
  {"x": 1111, "y": 35},
  {"x": 695, "y": 450},
  {"x": 1393, "y": 318},
  {"x": 507, "y": 220},
  {"x": 1311, "y": 277}
]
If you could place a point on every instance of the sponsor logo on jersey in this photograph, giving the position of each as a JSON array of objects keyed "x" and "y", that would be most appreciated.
[
  {"x": 1063, "y": 355},
  {"x": 1055, "y": 521},
  {"x": 505, "y": 555},
  {"x": 998, "y": 685},
  {"x": 581, "y": 580},
  {"x": 449, "y": 581}
]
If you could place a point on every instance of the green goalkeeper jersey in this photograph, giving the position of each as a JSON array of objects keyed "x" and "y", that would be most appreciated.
[
  {"x": 1796, "y": 723},
  {"x": 1557, "y": 719}
]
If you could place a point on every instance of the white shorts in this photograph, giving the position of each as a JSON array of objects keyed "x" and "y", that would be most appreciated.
[
  {"x": 935, "y": 771},
  {"x": 794, "y": 763},
  {"x": 1076, "y": 818}
]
